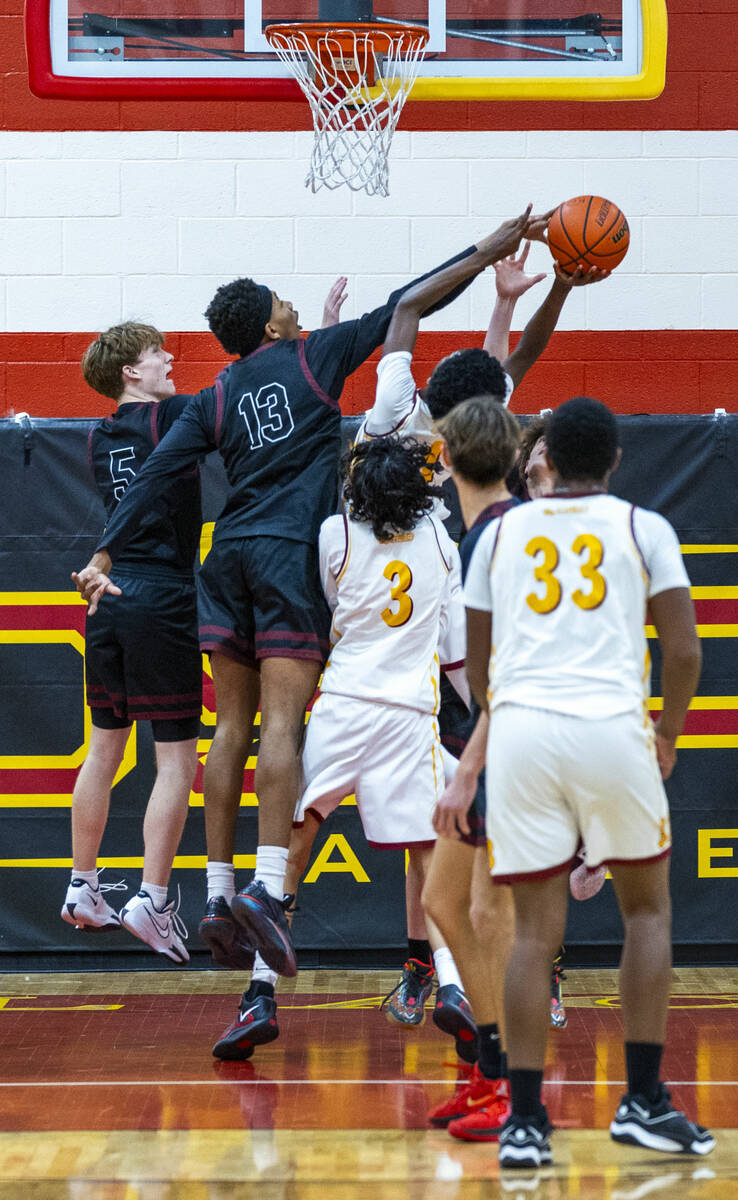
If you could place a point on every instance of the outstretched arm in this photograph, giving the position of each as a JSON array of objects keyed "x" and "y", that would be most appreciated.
[
  {"x": 537, "y": 332},
  {"x": 334, "y": 302},
  {"x": 334, "y": 353},
  {"x": 511, "y": 283},
  {"x": 422, "y": 296}
]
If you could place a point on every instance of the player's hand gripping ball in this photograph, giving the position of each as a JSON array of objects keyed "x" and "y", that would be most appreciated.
[{"x": 589, "y": 230}]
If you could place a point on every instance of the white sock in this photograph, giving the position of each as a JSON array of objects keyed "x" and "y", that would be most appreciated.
[
  {"x": 221, "y": 880},
  {"x": 446, "y": 968},
  {"x": 271, "y": 867},
  {"x": 88, "y": 876},
  {"x": 262, "y": 972},
  {"x": 158, "y": 894}
]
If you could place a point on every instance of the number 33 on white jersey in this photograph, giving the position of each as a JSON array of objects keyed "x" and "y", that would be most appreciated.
[{"x": 567, "y": 580}]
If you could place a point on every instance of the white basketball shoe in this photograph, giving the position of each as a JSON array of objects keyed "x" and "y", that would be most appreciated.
[
  {"x": 86, "y": 908},
  {"x": 162, "y": 929}
]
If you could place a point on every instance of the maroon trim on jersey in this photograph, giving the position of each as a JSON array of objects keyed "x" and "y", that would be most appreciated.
[
  {"x": 634, "y": 862},
  {"x": 313, "y": 813},
  {"x": 153, "y": 424},
  {"x": 451, "y": 742},
  {"x": 446, "y": 562},
  {"x": 218, "y": 409},
  {"x": 399, "y": 424},
  {"x": 229, "y": 651},
  {"x": 402, "y": 845},
  {"x": 221, "y": 631},
  {"x": 497, "y": 538},
  {"x": 346, "y": 537},
  {"x": 498, "y": 509},
  {"x": 527, "y": 876},
  {"x": 311, "y": 380},
  {"x": 157, "y": 714},
  {"x": 565, "y": 495},
  {"x": 317, "y": 655},
  {"x": 260, "y": 349},
  {"x": 453, "y": 666},
  {"x": 644, "y": 564},
  {"x": 287, "y": 634},
  {"x": 90, "y": 462}
]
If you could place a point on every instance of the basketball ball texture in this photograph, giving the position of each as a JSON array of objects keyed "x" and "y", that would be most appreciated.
[{"x": 590, "y": 230}]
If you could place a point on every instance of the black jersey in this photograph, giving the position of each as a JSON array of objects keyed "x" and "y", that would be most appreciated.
[
  {"x": 275, "y": 419},
  {"x": 117, "y": 448},
  {"x": 470, "y": 539}
]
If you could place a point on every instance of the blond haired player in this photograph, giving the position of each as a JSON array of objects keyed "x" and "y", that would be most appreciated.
[{"x": 556, "y": 596}]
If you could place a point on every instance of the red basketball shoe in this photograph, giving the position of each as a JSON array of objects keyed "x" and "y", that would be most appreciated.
[
  {"x": 476, "y": 1093},
  {"x": 485, "y": 1124}
]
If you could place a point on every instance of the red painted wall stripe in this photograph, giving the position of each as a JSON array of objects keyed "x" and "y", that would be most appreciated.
[{"x": 653, "y": 371}]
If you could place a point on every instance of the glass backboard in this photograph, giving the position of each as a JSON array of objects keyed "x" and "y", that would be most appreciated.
[{"x": 477, "y": 49}]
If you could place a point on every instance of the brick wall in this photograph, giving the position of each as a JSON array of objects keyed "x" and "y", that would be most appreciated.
[{"x": 111, "y": 210}]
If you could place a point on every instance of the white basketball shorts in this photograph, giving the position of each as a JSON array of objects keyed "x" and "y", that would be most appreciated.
[
  {"x": 555, "y": 782},
  {"x": 390, "y": 757}
]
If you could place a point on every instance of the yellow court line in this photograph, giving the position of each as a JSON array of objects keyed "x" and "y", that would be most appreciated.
[
  {"x": 713, "y": 549},
  {"x": 656, "y": 703}
]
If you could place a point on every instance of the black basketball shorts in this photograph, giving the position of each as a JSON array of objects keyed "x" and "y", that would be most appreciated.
[
  {"x": 142, "y": 660},
  {"x": 261, "y": 597}
]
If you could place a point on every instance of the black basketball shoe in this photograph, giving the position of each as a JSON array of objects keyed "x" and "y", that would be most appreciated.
[
  {"x": 405, "y": 1004},
  {"x": 524, "y": 1142},
  {"x": 658, "y": 1126},
  {"x": 225, "y": 937},
  {"x": 255, "y": 1025},
  {"x": 453, "y": 1016},
  {"x": 265, "y": 920}
]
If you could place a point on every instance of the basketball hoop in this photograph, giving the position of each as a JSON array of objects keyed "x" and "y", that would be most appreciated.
[{"x": 356, "y": 78}]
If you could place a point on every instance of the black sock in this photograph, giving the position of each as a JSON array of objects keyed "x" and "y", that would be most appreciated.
[
  {"x": 420, "y": 948},
  {"x": 525, "y": 1092},
  {"x": 490, "y": 1053},
  {"x": 643, "y": 1063},
  {"x": 259, "y": 987},
  {"x": 503, "y": 1067}
]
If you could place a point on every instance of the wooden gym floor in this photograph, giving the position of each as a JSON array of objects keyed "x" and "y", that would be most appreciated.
[{"x": 108, "y": 1091}]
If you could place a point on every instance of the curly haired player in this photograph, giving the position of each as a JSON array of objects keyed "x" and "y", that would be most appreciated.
[{"x": 386, "y": 567}]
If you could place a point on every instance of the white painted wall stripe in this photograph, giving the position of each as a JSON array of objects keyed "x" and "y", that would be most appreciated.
[{"x": 96, "y": 227}]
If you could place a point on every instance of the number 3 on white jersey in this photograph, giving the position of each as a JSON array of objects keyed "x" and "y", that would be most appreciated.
[
  {"x": 544, "y": 572},
  {"x": 401, "y": 573}
]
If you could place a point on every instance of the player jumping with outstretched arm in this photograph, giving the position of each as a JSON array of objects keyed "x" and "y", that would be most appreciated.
[
  {"x": 563, "y": 583},
  {"x": 274, "y": 416}
]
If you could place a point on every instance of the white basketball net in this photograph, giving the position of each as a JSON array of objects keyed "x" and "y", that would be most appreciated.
[{"x": 354, "y": 121}]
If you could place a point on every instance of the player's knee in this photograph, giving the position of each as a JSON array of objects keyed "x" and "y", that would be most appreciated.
[
  {"x": 443, "y": 909},
  {"x": 491, "y": 912},
  {"x": 649, "y": 918}
]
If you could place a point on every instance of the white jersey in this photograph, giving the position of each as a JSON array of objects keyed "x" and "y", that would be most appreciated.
[
  {"x": 567, "y": 580},
  {"x": 394, "y": 623},
  {"x": 398, "y": 407}
]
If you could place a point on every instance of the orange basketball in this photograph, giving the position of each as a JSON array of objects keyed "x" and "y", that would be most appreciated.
[{"x": 590, "y": 230}]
